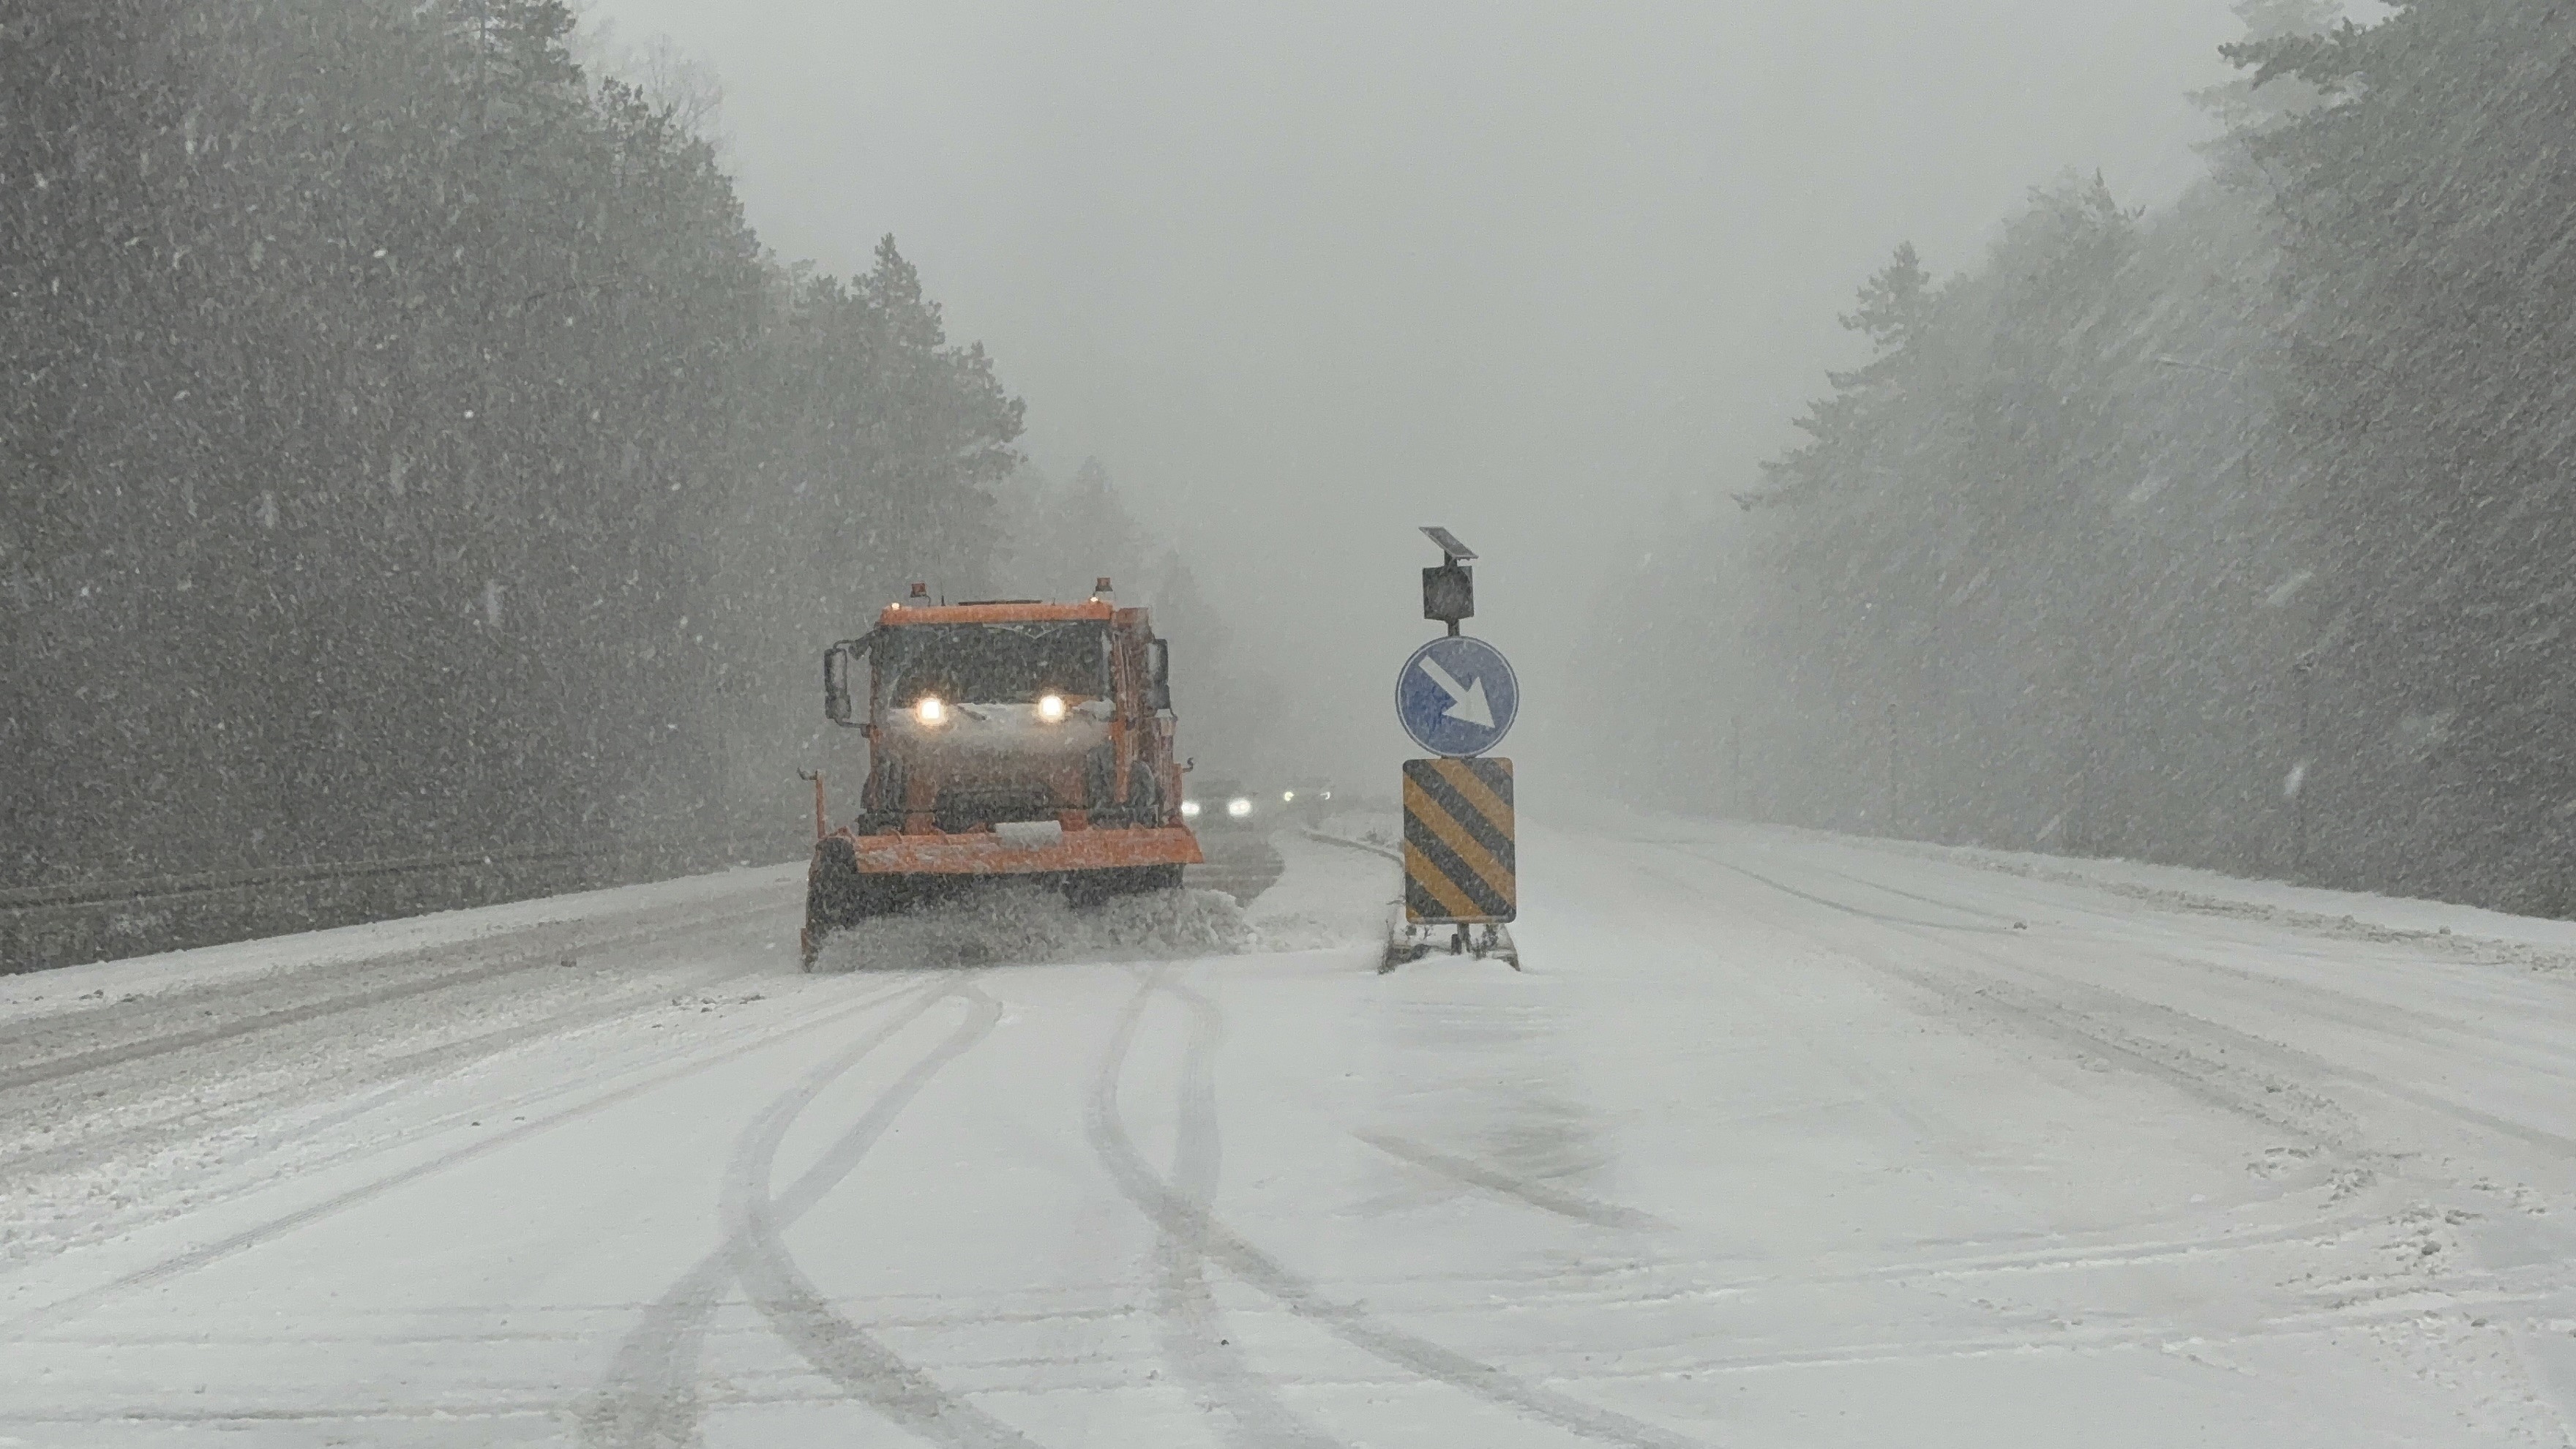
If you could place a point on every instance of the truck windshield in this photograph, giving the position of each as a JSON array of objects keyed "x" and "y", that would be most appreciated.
[{"x": 992, "y": 663}]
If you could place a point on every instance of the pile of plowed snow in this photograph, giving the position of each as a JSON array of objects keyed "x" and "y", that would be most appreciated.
[{"x": 1010, "y": 924}]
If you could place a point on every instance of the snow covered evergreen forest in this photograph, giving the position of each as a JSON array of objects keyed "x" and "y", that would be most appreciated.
[
  {"x": 409, "y": 448},
  {"x": 2234, "y": 534}
]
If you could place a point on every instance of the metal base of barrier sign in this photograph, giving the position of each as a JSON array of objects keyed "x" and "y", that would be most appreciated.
[{"x": 1412, "y": 940}]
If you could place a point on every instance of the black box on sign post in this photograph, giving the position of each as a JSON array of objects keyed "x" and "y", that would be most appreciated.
[{"x": 1449, "y": 593}]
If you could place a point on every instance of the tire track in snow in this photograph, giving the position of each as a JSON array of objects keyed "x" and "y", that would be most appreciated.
[
  {"x": 2048, "y": 1334},
  {"x": 2267, "y": 1081},
  {"x": 2002, "y": 929},
  {"x": 650, "y": 1398},
  {"x": 2337, "y": 1131},
  {"x": 383, "y": 1078},
  {"x": 70, "y": 1307},
  {"x": 840, "y": 1350},
  {"x": 1176, "y": 1217},
  {"x": 2542, "y": 1310},
  {"x": 1195, "y": 1337},
  {"x": 1979, "y": 999},
  {"x": 1523, "y": 1190},
  {"x": 1981, "y": 992},
  {"x": 1884, "y": 888},
  {"x": 1973, "y": 1006},
  {"x": 2175, "y": 946}
]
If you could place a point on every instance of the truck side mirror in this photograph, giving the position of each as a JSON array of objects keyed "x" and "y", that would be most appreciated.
[
  {"x": 1158, "y": 685},
  {"x": 836, "y": 681}
]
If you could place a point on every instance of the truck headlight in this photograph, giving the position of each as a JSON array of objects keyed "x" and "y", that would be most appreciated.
[
  {"x": 931, "y": 710},
  {"x": 1238, "y": 807},
  {"x": 1051, "y": 708},
  {"x": 1189, "y": 810}
]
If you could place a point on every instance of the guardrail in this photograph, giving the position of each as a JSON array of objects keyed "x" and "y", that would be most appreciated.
[{"x": 62, "y": 925}]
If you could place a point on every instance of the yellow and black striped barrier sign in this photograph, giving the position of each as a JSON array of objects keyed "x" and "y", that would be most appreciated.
[{"x": 1458, "y": 842}]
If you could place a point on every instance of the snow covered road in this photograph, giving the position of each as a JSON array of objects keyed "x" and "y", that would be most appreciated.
[{"x": 1780, "y": 1140}]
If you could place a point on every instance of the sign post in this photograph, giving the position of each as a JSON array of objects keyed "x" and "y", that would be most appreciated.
[{"x": 1457, "y": 698}]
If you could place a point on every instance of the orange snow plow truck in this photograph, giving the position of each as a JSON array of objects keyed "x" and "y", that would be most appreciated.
[{"x": 1006, "y": 739}]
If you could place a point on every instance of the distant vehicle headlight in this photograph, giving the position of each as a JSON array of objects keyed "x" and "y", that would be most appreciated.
[
  {"x": 1189, "y": 810},
  {"x": 931, "y": 710},
  {"x": 1238, "y": 807},
  {"x": 1051, "y": 708}
]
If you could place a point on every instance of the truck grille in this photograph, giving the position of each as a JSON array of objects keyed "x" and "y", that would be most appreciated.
[{"x": 967, "y": 809}]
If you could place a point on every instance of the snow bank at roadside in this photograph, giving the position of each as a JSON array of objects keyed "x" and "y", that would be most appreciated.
[
  {"x": 64, "y": 988},
  {"x": 2207, "y": 892},
  {"x": 2352, "y": 914},
  {"x": 1323, "y": 900},
  {"x": 1369, "y": 827}
]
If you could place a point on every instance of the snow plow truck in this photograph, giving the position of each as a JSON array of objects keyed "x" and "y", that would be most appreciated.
[{"x": 1007, "y": 740}]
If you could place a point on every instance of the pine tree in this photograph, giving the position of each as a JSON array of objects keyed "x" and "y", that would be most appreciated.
[
  {"x": 409, "y": 447},
  {"x": 2424, "y": 222}
]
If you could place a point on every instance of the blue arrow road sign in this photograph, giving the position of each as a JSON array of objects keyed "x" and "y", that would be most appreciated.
[{"x": 1457, "y": 696}]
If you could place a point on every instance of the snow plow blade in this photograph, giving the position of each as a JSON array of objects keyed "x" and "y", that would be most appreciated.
[
  {"x": 854, "y": 877},
  {"x": 998, "y": 853}
]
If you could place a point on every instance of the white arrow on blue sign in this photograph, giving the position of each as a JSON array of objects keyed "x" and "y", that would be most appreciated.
[{"x": 1457, "y": 696}]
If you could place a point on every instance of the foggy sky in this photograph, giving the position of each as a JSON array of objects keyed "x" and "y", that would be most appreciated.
[{"x": 1305, "y": 276}]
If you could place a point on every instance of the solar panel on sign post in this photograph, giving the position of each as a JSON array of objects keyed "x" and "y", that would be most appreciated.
[{"x": 1449, "y": 544}]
